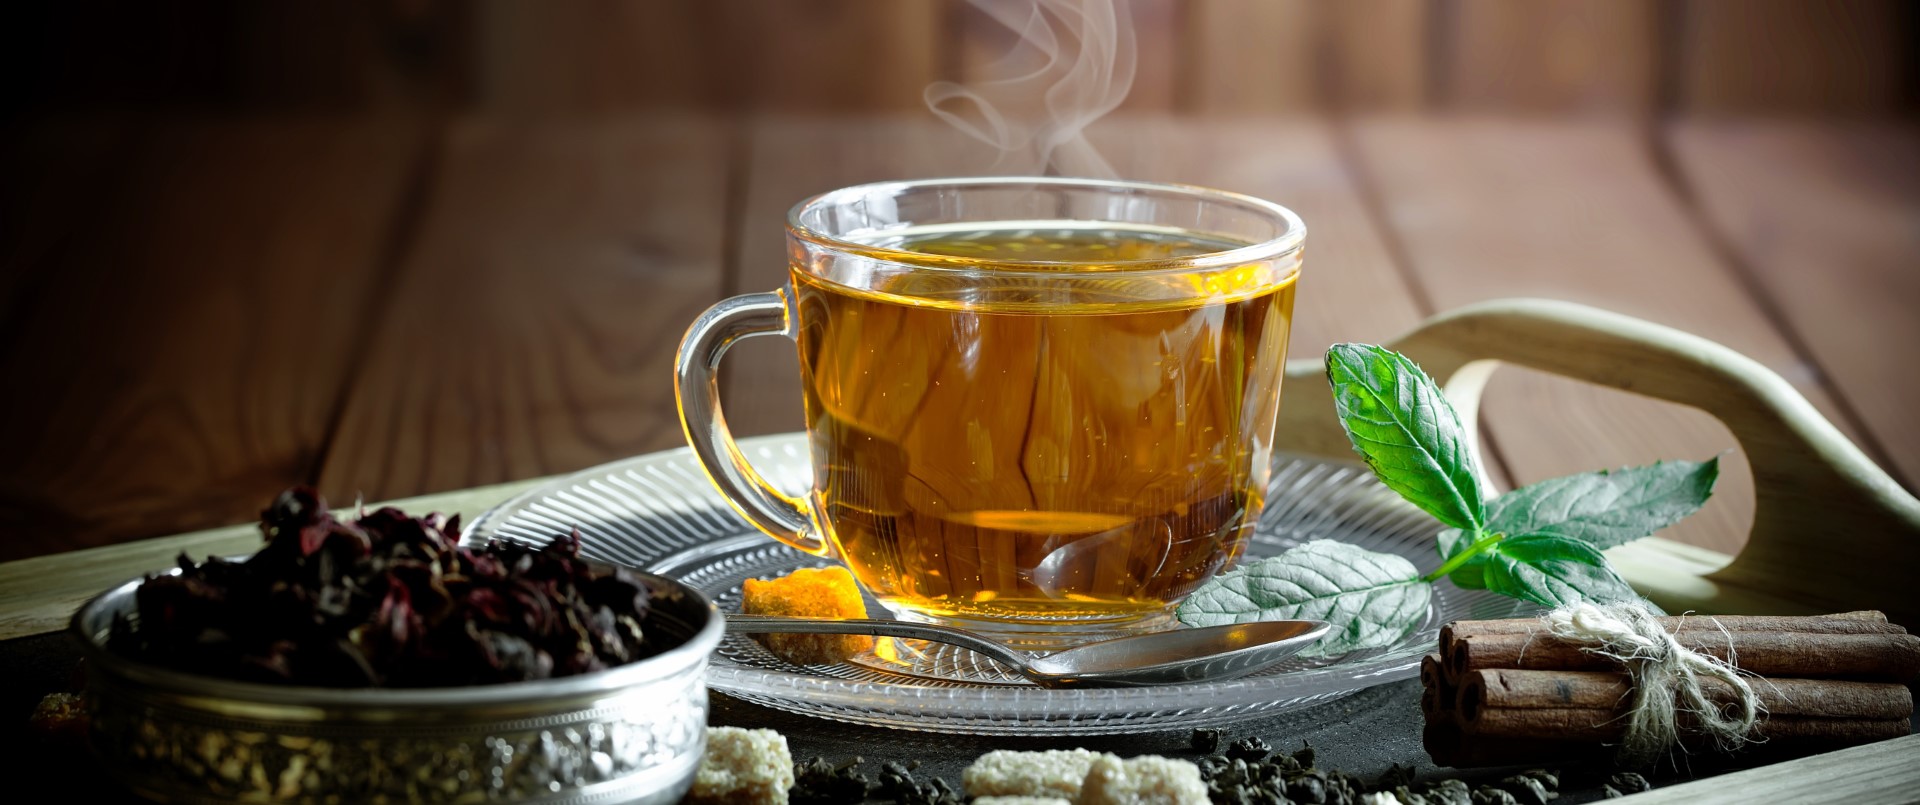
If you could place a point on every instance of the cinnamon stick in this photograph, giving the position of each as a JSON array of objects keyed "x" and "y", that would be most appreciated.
[
  {"x": 1498, "y": 688},
  {"x": 1863, "y": 622},
  {"x": 1597, "y": 724},
  {"x": 1883, "y": 656},
  {"x": 1437, "y": 704},
  {"x": 1433, "y": 674}
]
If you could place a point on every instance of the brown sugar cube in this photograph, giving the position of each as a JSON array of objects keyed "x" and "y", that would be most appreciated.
[
  {"x": 743, "y": 767},
  {"x": 826, "y": 592}
]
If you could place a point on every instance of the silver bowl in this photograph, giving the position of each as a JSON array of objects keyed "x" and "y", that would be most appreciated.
[{"x": 633, "y": 733}]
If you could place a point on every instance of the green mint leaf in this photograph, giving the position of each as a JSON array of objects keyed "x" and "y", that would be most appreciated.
[
  {"x": 1453, "y": 541},
  {"x": 1607, "y": 508},
  {"x": 1402, "y": 425},
  {"x": 1468, "y": 576},
  {"x": 1372, "y": 599},
  {"x": 1552, "y": 571}
]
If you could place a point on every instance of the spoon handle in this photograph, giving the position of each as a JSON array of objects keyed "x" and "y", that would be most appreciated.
[{"x": 763, "y": 624}]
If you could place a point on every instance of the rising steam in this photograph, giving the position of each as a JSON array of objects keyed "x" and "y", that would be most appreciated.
[{"x": 1073, "y": 64}]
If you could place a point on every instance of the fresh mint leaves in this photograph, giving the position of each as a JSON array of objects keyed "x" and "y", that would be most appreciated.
[
  {"x": 1372, "y": 599},
  {"x": 1607, "y": 508},
  {"x": 1404, "y": 428},
  {"x": 1541, "y": 543}
]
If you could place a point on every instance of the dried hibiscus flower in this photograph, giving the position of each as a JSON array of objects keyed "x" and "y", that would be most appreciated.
[{"x": 386, "y": 600}]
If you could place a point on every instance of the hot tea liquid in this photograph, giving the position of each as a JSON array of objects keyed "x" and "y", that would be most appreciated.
[{"x": 1015, "y": 448}]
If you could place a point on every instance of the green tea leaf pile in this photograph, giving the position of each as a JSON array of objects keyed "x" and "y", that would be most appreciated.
[
  {"x": 1541, "y": 543},
  {"x": 386, "y": 600}
]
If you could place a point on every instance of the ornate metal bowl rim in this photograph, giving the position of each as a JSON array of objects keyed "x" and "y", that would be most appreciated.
[{"x": 94, "y": 618}]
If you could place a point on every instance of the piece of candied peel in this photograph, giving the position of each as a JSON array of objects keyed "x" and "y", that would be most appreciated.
[
  {"x": 60, "y": 718},
  {"x": 824, "y": 592}
]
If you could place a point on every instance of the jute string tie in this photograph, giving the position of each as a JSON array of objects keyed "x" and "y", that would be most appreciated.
[{"x": 1665, "y": 675}]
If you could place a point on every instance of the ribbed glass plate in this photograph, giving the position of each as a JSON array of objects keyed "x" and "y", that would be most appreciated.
[{"x": 659, "y": 513}]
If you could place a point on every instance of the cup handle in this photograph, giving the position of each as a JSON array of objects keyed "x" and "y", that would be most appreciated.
[{"x": 781, "y": 516}]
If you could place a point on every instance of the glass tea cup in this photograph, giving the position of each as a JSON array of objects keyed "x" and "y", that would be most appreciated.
[{"x": 1041, "y": 408}]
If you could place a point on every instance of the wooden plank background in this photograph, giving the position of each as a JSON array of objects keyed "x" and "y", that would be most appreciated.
[
  {"x": 395, "y": 248},
  {"x": 539, "y": 306},
  {"x": 1635, "y": 57},
  {"x": 178, "y": 360}
]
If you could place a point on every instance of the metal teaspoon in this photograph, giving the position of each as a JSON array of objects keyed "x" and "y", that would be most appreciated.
[{"x": 1171, "y": 657}]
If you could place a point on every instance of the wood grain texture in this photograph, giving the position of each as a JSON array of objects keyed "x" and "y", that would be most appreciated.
[
  {"x": 1784, "y": 56},
  {"x": 61, "y": 175},
  {"x": 1248, "y": 57},
  {"x": 609, "y": 56},
  {"x": 1823, "y": 217},
  {"x": 1876, "y": 774},
  {"x": 1252, "y": 57},
  {"x": 188, "y": 347},
  {"x": 534, "y": 326},
  {"x": 388, "y": 54},
  {"x": 1381, "y": 54},
  {"x": 1575, "y": 211},
  {"x": 1552, "y": 55},
  {"x": 828, "y": 55},
  {"x": 595, "y": 56}
]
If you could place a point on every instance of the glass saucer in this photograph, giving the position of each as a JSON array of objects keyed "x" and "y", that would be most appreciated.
[{"x": 659, "y": 513}]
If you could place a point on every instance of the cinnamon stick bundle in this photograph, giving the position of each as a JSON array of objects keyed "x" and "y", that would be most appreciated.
[{"x": 1508, "y": 692}]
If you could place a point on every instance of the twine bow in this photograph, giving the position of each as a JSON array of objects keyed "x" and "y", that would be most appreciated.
[{"x": 1665, "y": 675}]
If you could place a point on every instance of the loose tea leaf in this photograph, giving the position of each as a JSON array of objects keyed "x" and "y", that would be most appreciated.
[
  {"x": 386, "y": 600},
  {"x": 1372, "y": 599},
  {"x": 817, "y": 782},
  {"x": 1250, "y": 749}
]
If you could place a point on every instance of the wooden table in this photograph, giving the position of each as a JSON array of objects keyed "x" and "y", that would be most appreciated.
[{"x": 198, "y": 313}]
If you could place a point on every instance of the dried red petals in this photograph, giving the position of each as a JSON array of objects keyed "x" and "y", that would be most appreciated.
[{"x": 386, "y": 600}]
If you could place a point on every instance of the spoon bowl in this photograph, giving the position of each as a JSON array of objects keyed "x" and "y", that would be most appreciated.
[{"x": 1171, "y": 657}]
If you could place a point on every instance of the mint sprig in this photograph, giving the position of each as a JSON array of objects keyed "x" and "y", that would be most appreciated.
[{"x": 1540, "y": 543}]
